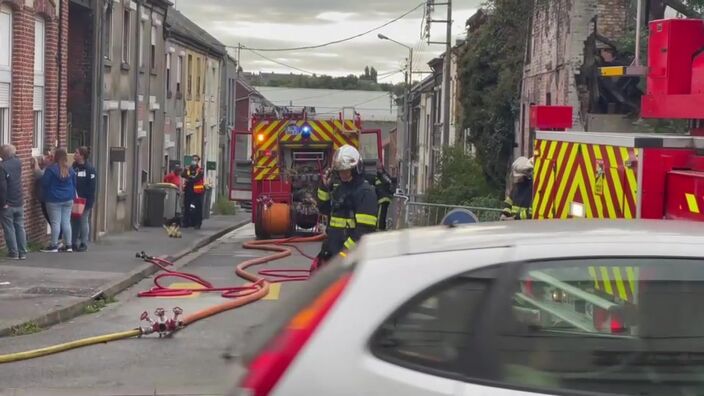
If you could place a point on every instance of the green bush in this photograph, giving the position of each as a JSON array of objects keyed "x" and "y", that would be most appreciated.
[{"x": 223, "y": 206}]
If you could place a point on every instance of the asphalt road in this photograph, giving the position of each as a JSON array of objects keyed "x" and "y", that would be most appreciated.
[{"x": 190, "y": 363}]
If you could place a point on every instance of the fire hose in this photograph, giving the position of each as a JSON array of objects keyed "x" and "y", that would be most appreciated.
[{"x": 239, "y": 295}]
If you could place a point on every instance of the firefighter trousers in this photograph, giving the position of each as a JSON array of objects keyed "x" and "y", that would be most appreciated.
[
  {"x": 383, "y": 212},
  {"x": 193, "y": 211}
]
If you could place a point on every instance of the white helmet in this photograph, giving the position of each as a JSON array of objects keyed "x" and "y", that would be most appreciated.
[
  {"x": 522, "y": 166},
  {"x": 346, "y": 158}
]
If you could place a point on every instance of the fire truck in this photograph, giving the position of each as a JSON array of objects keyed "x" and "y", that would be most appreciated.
[
  {"x": 276, "y": 166},
  {"x": 631, "y": 175},
  {"x": 621, "y": 175}
]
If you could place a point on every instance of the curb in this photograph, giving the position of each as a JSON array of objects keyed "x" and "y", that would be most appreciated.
[{"x": 111, "y": 289}]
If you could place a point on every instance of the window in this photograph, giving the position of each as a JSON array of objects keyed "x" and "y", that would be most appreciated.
[
  {"x": 432, "y": 332},
  {"x": 168, "y": 73},
  {"x": 189, "y": 139},
  {"x": 179, "y": 68},
  {"x": 151, "y": 144},
  {"x": 190, "y": 76},
  {"x": 38, "y": 102},
  {"x": 141, "y": 43},
  {"x": 5, "y": 72},
  {"x": 126, "y": 36},
  {"x": 197, "y": 78},
  {"x": 153, "y": 49},
  {"x": 179, "y": 136},
  {"x": 606, "y": 326},
  {"x": 107, "y": 45},
  {"x": 121, "y": 174}
]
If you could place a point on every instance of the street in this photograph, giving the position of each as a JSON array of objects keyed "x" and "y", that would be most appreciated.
[{"x": 190, "y": 363}]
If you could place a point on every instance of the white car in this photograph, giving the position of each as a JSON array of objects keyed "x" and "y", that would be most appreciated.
[{"x": 514, "y": 308}]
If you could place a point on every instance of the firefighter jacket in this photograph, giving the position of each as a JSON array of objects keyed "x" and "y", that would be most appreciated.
[
  {"x": 383, "y": 186},
  {"x": 194, "y": 180},
  {"x": 352, "y": 212},
  {"x": 518, "y": 205}
]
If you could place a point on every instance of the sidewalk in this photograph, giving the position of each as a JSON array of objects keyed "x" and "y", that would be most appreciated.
[{"x": 49, "y": 288}]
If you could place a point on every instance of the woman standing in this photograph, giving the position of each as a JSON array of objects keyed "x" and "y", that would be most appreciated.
[
  {"x": 85, "y": 188},
  {"x": 59, "y": 185}
]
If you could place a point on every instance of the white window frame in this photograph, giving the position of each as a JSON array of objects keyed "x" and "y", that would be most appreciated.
[
  {"x": 39, "y": 86},
  {"x": 179, "y": 70},
  {"x": 121, "y": 174},
  {"x": 126, "y": 34},
  {"x": 6, "y": 34},
  {"x": 152, "y": 49},
  {"x": 168, "y": 76},
  {"x": 141, "y": 42}
]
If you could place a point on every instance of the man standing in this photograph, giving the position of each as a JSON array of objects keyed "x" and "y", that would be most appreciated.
[
  {"x": 174, "y": 177},
  {"x": 13, "y": 209},
  {"x": 194, "y": 190},
  {"x": 351, "y": 205}
]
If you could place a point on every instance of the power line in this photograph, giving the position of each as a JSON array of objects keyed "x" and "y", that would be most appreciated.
[
  {"x": 277, "y": 62},
  {"x": 372, "y": 99},
  {"x": 336, "y": 41}
]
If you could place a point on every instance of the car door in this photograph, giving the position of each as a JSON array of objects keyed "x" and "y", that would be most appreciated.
[
  {"x": 421, "y": 346},
  {"x": 598, "y": 325}
]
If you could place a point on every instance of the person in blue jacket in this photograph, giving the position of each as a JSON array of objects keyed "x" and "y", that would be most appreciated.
[
  {"x": 59, "y": 187},
  {"x": 85, "y": 188}
]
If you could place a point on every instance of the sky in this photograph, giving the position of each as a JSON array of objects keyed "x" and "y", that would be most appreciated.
[{"x": 293, "y": 23}]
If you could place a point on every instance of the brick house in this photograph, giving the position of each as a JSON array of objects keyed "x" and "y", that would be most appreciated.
[
  {"x": 33, "y": 59},
  {"x": 560, "y": 51}
]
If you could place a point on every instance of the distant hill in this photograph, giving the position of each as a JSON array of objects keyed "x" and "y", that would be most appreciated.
[{"x": 365, "y": 82}]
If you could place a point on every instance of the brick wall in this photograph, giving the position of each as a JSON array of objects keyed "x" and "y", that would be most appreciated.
[{"x": 22, "y": 94}]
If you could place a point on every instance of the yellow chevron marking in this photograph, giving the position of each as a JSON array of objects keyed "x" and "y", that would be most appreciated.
[
  {"x": 543, "y": 171},
  {"x": 595, "y": 278},
  {"x": 591, "y": 179},
  {"x": 630, "y": 172},
  {"x": 319, "y": 129},
  {"x": 565, "y": 181},
  {"x": 692, "y": 203},
  {"x": 272, "y": 139},
  {"x": 618, "y": 187},
  {"x": 606, "y": 196},
  {"x": 549, "y": 174},
  {"x": 619, "y": 284},
  {"x": 605, "y": 278}
]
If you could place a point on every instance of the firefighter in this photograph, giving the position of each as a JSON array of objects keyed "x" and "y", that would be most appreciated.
[
  {"x": 194, "y": 190},
  {"x": 350, "y": 204},
  {"x": 384, "y": 186},
  {"x": 517, "y": 205}
]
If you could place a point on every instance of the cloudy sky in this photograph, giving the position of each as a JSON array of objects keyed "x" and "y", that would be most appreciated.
[{"x": 294, "y": 23}]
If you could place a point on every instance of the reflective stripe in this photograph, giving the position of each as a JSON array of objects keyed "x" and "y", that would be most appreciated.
[
  {"x": 323, "y": 195},
  {"x": 384, "y": 200},
  {"x": 378, "y": 182},
  {"x": 350, "y": 244},
  {"x": 341, "y": 222},
  {"x": 343, "y": 254},
  {"x": 617, "y": 286},
  {"x": 366, "y": 219}
]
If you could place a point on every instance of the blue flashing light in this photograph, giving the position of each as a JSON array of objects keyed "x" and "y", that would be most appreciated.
[{"x": 306, "y": 131}]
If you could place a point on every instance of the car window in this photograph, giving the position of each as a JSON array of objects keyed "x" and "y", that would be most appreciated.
[
  {"x": 432, "y": 331},
  {"x": 611, "y": 326}
]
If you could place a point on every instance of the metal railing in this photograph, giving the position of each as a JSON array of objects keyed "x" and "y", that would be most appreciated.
[{"x": 407, "y": 213}]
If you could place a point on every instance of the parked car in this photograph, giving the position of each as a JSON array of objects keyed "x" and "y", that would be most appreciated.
[{"x": 516, "y": 308}]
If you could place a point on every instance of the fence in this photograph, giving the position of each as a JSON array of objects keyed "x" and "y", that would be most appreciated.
[{"x": 409, "y": 214}]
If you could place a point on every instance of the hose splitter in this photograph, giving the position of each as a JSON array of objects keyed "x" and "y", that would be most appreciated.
[{"x": 163, "y": 326}]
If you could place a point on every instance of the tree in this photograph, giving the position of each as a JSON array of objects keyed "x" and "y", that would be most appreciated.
[
  {"x": 373, "y": 74},
  {"x": 462, "y": 179},
  {"x": 491, "y": 70},
  {"x": 366, "y": 73}
]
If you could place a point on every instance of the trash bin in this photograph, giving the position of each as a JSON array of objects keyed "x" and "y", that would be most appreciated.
[
  {"x": 207, "y": 202},
  {"x": 154, "y": 200},
  {"x": 172, "y": 200}
]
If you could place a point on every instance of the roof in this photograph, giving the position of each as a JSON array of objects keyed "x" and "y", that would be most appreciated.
[
  {"x": 180, "y": 26},
  {"x": 532, "y": 232},
  {"x": 371, "y": 105}
]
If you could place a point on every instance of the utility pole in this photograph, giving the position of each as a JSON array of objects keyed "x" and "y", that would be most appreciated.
[{"x": 446, "y": 78}]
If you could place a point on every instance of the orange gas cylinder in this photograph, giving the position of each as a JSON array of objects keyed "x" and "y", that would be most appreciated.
[{"x": 276, "y": 219}]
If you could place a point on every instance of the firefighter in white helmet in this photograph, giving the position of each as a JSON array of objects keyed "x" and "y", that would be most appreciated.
[
  {"x": 518, "y": 204},
  {"x": 349, "y": 201}
]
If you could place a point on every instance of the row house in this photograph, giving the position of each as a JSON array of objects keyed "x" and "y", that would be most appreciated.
[
  {"x": 33, "y": 58},
  {"x": 195, "y": 63}
]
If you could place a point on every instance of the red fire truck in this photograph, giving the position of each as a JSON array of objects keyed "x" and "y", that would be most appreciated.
[
  {"x": 632, "y": 175},
  {"x": 276, "y": 166}
]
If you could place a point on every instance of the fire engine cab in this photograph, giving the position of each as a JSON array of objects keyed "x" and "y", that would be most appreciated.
[
  {"x": 277, "y": 165},
  {"x": 631, "y": 175}
]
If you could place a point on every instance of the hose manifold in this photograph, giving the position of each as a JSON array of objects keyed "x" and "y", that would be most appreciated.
[{"x": 162, "y": 325}]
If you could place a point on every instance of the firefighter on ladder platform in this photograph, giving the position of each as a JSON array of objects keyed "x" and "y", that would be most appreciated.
[
  {"x": 351, "y": 205},
  {"x": 517, "y": 205},
  {"x": 384, "y": 186}
]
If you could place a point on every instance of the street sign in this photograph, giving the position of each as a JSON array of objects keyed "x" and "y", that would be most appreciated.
[{"x": 459, "y": 216}]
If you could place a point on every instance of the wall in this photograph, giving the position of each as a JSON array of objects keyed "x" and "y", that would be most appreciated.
[
  {"x": 194, "y": 104},
  {"x": 21, "y": 99},
  {"x": 211, "y": 120},
  {"x": 80, "y": 75}
]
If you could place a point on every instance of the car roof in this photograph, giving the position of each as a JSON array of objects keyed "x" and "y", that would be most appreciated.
[{"x": 529, "y": 232}]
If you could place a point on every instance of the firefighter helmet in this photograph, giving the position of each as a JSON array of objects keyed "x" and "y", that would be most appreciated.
[
  {"x": 346, "y": 158},
  {"x": 522, "y": 166}
]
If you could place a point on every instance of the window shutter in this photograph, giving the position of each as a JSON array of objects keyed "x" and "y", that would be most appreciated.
[{"x": 5, "y": 95}]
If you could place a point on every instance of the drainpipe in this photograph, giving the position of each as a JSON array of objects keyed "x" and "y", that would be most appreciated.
[
  {"x": 135, "y": 141},
  {"x": 101, "y": 158},
  {"x": 60, "y": 69}
]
